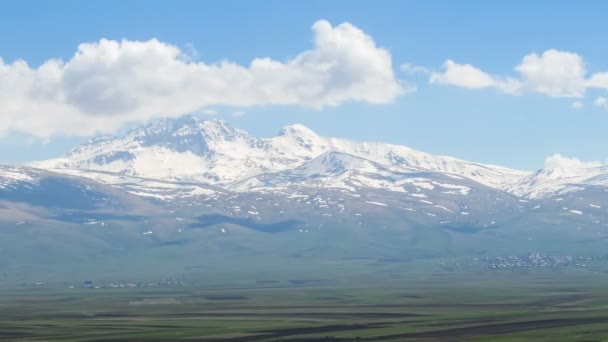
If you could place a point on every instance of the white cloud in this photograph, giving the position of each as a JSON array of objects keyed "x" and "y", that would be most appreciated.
[
  {"x": 109, "y": 83},
  {"x": 209, "y": 111},
  {"x": 553, "y": 73},
  {"x": 598, "y": 80},
  {"x": 463, "y": 75},
  {"x": 468, "y": 76},
  {"x": 601, "y": 102},
  {"x": 414, "y": 69},
  {"x": 557, "y": 161},
  {"x": 577, "y": 105}
]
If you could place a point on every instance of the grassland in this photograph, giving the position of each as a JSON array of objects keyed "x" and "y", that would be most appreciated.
[{"x": 390, "y": 304}]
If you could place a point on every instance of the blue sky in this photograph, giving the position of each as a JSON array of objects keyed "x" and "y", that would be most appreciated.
[{"x": 473, "y": 115}]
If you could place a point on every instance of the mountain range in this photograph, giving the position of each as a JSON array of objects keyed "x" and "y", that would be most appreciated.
[{"x": 188, "y": 187}]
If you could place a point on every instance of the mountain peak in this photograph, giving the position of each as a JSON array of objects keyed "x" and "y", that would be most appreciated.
[
  {"x": 218, "y": 129},
  {"x": 558, "y": 166},
  {"x": 302, "y": 137},
  {"x": 211, "y": 151},
  {"x": 187, "y": 127},
  {"x": 166, "y": 125},
  {"x": 331, "y": 162},
  {"x": 297, "y": 130}
]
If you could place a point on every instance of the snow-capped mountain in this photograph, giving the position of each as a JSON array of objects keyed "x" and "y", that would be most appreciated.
[
  {"x": 561, "y": 175},
  {"x": 212, "y": 152},
  {"x": 345, "y": 171},
  {"x": 214, "y": 169},
  {"x": 190, "y": 187},
  {"x": 48, "y": 195}
]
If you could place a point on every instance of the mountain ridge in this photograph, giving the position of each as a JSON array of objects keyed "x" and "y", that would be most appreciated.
[{"x": 211, "y": 151}]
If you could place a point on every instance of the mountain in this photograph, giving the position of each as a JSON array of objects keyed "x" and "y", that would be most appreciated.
[
  {"x": 214, "y": 169},
  {"x": 212, "y": 152},
  {"x": 33, "y": 194},
  {"x": 188, "y": 149},
  {"x": 561, "y": 175},
  {"x": 183, "y": 190}
]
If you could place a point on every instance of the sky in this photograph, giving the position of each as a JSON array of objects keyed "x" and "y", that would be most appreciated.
[{"x": 506, "y": 83}]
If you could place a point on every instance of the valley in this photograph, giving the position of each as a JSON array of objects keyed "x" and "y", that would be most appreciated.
[{"x": 397, "y": 301}]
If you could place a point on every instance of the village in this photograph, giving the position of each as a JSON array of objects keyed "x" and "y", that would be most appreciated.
[{"x": 523, "y": 262}]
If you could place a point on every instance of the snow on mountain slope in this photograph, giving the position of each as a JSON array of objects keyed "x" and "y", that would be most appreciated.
[
  {"x": 330, "y": 170},
  {"x": 193, "y": 150},
  {"x": 14, "y": 176},
  {"x": 561, "y": 175},
  {"x": 400, "y": 157},
  {"x": 344, "y": 187},
  {"x": 185, "y": 149},
  {"x": 57, "y": 192},
  {"x": 146, "y": 187}
]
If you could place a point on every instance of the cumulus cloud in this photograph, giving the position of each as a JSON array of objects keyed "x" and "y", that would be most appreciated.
[
  {"x": 598, "y": 80},
  {"x": 577, "y": 105},
  {"x": 468, "y": 76},
  {"x": 463, "y": 75},
  {"x": 557, "y": 161},
  {"x": 108, "y": 83},
  {"x": 553, "y": 73},
  {"x": 414, "y": 69},
  {"x": 209, "y": 111},
  {"x": 601, "y": 102}
]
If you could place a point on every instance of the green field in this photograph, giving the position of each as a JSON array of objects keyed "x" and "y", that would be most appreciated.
[{"x": 399, "y": 302}]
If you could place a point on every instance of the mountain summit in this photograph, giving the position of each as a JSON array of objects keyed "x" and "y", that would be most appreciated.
[{"x": 189, "y": 149}]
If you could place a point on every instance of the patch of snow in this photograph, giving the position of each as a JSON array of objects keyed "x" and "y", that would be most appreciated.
[
  {"x": 461, "y": 189},
  {"x": 376, "y": 203},
  {"x": 444, "y": 208},
  {"x": 424, "y": 185},
  {"x": 157, "y": 196}
]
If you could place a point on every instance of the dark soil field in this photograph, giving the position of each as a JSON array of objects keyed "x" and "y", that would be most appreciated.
[{"x": 459, "y": 306}]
